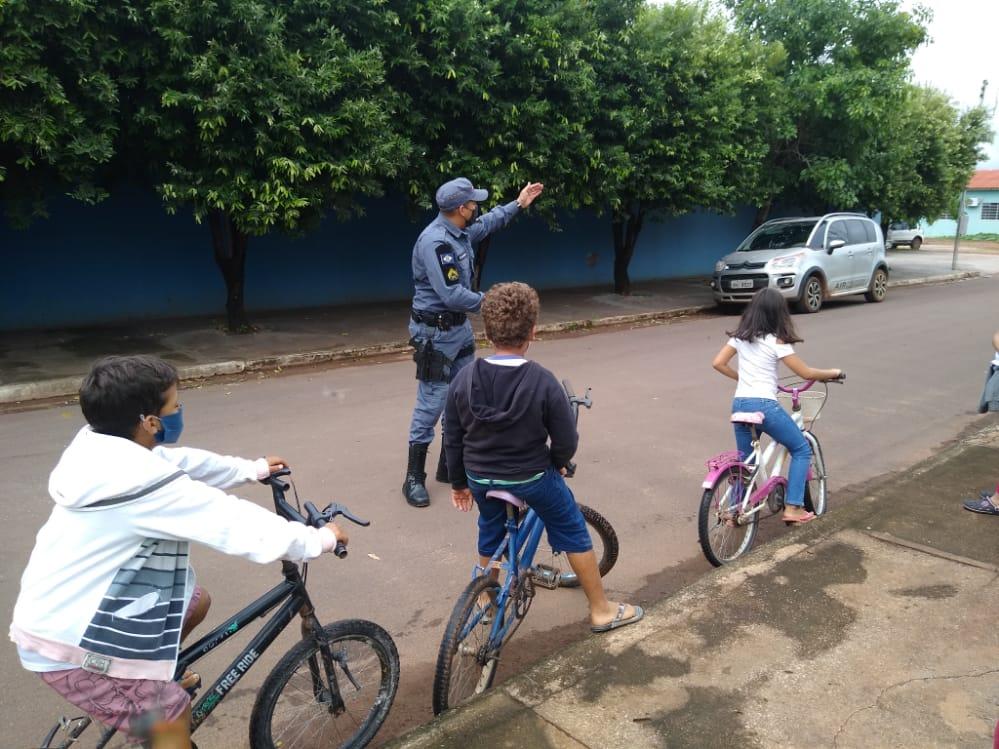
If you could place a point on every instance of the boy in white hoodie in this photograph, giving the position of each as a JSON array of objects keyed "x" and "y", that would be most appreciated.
[{"x": 108, "y": 593}]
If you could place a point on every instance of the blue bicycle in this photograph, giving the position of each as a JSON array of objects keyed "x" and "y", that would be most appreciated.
[{"x": 489, "y": 611}]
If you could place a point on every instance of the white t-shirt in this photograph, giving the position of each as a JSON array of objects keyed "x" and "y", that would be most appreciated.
[{"x": 758, "y": 362}]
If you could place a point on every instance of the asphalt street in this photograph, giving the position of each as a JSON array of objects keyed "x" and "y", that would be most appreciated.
[{"x": 915, "y": 366}]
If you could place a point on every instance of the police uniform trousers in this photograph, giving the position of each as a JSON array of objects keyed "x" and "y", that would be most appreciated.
[{"x": 430, "y": 396}]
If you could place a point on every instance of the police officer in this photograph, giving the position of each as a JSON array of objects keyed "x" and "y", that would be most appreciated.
[{"x": 441, "y": 333}]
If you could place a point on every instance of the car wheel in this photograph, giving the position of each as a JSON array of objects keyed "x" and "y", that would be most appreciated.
[
  {"x": 878, "y": 289},
  {"x": 810, "y": 300},
  {"x": 916, "y": 243}
]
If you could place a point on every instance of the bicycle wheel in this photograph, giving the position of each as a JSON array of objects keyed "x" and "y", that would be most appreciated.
[
  {"x": 553, "y": 565},
  {"x": 292, "y": 711},
  {"x": 815, "y": 488},
  {"x": 722, "y": 539},
  {"x": 465, "y": 664}
]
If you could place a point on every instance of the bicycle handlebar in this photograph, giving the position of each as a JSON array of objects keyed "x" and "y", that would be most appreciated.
[
  {"x": 809, "y": 383},
  {"x": 314, "y": 517}
]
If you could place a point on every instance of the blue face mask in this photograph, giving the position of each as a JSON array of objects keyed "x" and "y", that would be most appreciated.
[{"x": 171, "y": 426}]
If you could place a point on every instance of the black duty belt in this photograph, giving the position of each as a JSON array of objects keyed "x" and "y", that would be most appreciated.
[{"x": 443, "y": 320}]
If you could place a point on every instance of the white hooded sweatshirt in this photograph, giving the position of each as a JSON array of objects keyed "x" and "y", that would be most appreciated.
[{"x": 107, "y": 581}]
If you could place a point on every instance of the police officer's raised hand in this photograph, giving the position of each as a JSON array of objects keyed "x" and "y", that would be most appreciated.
[{"x": 529, "y": 193}]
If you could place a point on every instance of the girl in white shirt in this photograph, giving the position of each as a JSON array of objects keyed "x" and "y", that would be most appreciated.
[{"x": 762, "y": 340}]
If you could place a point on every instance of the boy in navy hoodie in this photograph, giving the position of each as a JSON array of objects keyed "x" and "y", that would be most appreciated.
[{"x": 509, "y": 425}]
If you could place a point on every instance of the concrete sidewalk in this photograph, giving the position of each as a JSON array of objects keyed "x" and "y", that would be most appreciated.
[
  {"x": 50, "y": 363},
  {"x": 875, "y": 626}
]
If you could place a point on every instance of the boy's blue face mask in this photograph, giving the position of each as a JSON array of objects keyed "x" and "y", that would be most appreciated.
[{"x": 171, "y": 426}]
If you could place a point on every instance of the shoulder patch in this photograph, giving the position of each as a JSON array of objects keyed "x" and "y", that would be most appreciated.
[{"x": 449, "y": 264}]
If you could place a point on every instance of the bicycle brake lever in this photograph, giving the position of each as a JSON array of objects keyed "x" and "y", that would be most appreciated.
[{"x": 334, "y": 509}]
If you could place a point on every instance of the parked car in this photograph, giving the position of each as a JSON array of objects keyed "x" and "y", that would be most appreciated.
[
  {"x": 901, "y": 232},
  {"x": 808, "y": 260}
]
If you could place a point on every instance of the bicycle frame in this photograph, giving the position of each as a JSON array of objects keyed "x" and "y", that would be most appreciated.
[
  {"x": 296, "y": 601},
  {"x": 763, "y": 467},
  {"x": 518, "y": 548}
]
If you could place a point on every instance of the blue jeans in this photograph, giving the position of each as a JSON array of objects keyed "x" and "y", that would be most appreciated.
[
  {"x": 549, "y": 497},
  {"x": 779, "y": 425},
  {"x": 430, "y": 396}
]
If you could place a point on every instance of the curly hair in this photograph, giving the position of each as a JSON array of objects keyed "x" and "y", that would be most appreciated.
[{"x": 510, "y": 311}]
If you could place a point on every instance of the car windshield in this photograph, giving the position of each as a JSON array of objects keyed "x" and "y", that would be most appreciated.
[{"x": 782, "y": 236}]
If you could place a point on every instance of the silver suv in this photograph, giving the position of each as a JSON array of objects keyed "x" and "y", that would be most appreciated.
[{"x": 808, "y": 260}]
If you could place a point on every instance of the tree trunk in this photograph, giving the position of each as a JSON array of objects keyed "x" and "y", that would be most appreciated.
[
  {"x": 229, "y": 244},
  {"x": 625, "y": 228},
  {"x": 480, "y": 262},
  {"x": 762, "y": 213}
]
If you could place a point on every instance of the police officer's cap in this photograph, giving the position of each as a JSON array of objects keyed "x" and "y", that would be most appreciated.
[{"x": 451, "y": 195}]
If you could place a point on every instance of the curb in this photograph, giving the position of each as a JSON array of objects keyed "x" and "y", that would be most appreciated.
[{"x": 68, "y": 386}]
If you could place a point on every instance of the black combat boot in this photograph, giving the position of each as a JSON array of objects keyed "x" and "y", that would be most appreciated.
[
  {"x": 442, "y": 468},
  {"x": 413, "y": 488}
]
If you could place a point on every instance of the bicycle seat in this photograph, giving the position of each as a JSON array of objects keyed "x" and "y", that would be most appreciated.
[
  {"x": 507, "y": 497},
  {"x": 748, "y": 417}
]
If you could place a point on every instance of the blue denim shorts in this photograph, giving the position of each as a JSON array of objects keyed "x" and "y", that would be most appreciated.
[{"x": 549, "y": 496}]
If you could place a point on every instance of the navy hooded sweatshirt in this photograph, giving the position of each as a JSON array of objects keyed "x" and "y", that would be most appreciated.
[{"x": 499, "y": 418}]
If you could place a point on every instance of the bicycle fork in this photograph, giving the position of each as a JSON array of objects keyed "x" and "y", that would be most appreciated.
[{"x": 325, "y": 690}]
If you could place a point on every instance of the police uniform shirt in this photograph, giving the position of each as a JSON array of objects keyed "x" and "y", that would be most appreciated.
[{"x": 443, "y": 258}]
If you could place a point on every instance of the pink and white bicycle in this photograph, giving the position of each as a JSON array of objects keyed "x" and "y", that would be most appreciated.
[{"x": 736, "y": 491}]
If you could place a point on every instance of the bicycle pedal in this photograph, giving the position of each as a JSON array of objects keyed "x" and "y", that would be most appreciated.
[{"x": 546, "y": 576}]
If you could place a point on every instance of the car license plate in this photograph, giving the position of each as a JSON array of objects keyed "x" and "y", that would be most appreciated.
[{"x": 742, "y": 283}]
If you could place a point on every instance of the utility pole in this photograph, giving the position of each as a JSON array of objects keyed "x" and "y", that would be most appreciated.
[{"x": 961, "y": 226}]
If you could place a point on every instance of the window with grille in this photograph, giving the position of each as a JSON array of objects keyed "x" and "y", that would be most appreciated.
[{"x": 990, "y": 211}]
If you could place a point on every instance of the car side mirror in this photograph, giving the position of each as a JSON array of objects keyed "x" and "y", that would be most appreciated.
[{"x": 835, "y": 245}]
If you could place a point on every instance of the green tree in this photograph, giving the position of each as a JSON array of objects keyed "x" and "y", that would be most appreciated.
[
  {"x": 502, "y": 92},
  {"x": 845, "y": 74},
  {"x": 682, "y": 122},
  {"x": 260, "y": 116},
  {"x": 59, "y": 100},
  {"x": 924, "y": 156}
]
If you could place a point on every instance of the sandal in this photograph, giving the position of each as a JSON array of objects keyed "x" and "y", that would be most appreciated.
[
  {"x": 982, "y": 505},
  {"x": 618, "y": 621},
  {"x": 806, "y": 518}
]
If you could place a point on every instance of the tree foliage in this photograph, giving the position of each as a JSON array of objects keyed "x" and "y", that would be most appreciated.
[
  {"x": 686, "y": 106},
  {"x": 845, "y": 72},
  {"x": 59, "y": 100},
  {"x": 925, "y": 154}
]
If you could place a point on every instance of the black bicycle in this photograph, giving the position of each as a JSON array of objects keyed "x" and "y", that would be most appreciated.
[{"x": 332, "y": 689}]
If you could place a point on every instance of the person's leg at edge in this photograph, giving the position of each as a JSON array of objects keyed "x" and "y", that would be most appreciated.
[
  {"x": 781, "y": 427},
  {"x": 555, "y": 504},
  {"x": 172, "y": 734}
]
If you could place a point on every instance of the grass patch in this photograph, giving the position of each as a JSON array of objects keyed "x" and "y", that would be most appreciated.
[{"x": 970, "y": 238}]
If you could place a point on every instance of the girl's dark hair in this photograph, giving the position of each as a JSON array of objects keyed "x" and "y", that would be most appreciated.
[
  {"x": 121, "y": 389},
  {"x": 767, "y": 313}
]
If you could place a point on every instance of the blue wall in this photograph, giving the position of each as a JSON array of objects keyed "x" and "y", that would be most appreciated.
[
  {"x": 125, "y": 259},
  {"x": 946, "y": 227}
]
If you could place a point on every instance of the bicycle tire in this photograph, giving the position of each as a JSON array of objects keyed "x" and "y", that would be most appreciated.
[
  {"x": 714, "y": 528},
  {"x": 816, "y": 489},
  {"x": 459, "y": 660},
  {"x": 607, "y": 556},
  {"x": 381, "y": 652}
]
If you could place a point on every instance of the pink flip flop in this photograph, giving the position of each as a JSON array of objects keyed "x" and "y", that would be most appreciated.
[{"x": 806, "y": 518}]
